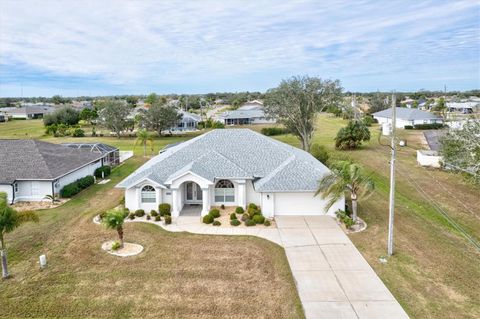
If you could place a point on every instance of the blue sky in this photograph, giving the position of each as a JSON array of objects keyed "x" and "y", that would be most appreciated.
[{"x": 135, "y": 47}]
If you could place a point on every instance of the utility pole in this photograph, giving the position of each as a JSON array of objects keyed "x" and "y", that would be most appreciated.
[{"x": 392, "y": 180}]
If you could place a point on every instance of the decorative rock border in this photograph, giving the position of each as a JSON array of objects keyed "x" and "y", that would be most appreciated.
[
  {"x": 362, "y": 225},
  {"x": 128, "y": 249}
]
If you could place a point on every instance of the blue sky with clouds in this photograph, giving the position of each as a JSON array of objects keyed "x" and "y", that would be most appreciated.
[{"x": 134, "y": 47}]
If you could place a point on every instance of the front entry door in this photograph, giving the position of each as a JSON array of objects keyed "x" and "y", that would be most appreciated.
[{"x": 193, "y": 193}]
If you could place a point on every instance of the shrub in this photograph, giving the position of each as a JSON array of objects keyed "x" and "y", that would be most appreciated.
[
  {"x": 267, "y": 223},
  {"x": 319, "y": 152},
  {"x": 239, "y": 210},
  {"x": 70, "y": 190},
  {"x": 139, "y": 213},
  {"x": 348, "y": 222},
  {"x": 271, "y": 131},
  {"x": 245, "y": 217},
  {"x": 153, "y": 213},
  {"x": 233, "y": 216},
  {"x": 235, "y": 222},
  {"x": 250, "y": 222},
  {"x": 126, "y": 212},
  {"x": 131, "y": 216},
  {"x": 368, "y": 120},
  {"x": 116, "y": 245},
  {"x": 168, "y": 219},
  {"x": 64, "y": 115},
  {"x": 148, "y": 217},
  {"x": 215, "y": 213},
  {"x": 216, "y": 223},
  {"x": 85, "y": 181},
  {"x": 77, "y": 132},
  {"x": 254, "y": 211},
  {"x": 207, "y": 219},
  {"x": 222, "y": 206},
  {"x": 408, "y": 127},
  {"x": 429, "y": 126},
  {"x": 258, "y": 219},
  {"x": 352, "y": 136},
  {"x": 158, "y": 218},
  {"x": 252, "y": 205},
  {"x": 105, "y": 169},
  {"x": 164, "y": 209}
]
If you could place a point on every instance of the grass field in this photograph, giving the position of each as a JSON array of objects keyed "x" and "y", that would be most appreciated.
[
  {"x": 435, "y": 271},
  {"x": 179, "y": 275}
]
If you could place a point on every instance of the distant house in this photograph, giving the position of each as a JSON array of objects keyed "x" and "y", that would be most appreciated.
[
  {"x": 249, "y": 113},
  {"x": 3, "y": 117},
  {"x": 189, "y": 122},
  {"x": 111, "y": 155},
  {"x": 28, "y": 112},
  {"x": 407, "y": 117},
  {"x": 80, "y": 105},
  {"x": 32, "y": 169},
  {"x": 463, "y": 107}
]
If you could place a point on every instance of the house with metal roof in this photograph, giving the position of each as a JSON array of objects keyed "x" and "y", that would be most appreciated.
[
  {"x": 407, "y": 117},
  {"x": 231, "y": 167},
  {"x": 31, "y": 169}
]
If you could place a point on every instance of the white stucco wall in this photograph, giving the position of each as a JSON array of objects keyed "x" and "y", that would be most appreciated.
[
  {"x": 402, "y": 123},
  {"x": 73, "y": 176},
  {"x": 303, "y": 204},
  {"x": 428, "y": 158},
  {"x": 252, "y": 195},
  {"x": 33, "y": 190}
]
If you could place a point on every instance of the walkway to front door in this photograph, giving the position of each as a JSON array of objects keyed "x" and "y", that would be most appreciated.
[{"x": 191, "y": 210}]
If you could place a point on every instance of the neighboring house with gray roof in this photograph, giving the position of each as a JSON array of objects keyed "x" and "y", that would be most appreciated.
[
  {"x": 231, "y": 167},
  {"x": 407, "y": 117},
  {"x": 28, "y": 112},
  {"x": 249, "y": 113},
  {"x": 31, "y": 169}
]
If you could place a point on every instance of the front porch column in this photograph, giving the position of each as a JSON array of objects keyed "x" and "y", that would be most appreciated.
[
  {"x": 175, "y": 202},
  {"x": 158, "y": 192},
  {"x": 138, "y": 194},
  {"x": 205, "y": 201},
  {"x": 242, "y": 194}
]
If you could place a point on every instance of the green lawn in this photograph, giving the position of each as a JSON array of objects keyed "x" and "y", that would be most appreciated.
[
  {"x": 179, "y": 275},
  {"x": 435, "y": 271}
]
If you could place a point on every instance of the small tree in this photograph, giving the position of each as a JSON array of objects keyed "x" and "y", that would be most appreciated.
[
  {"x": 64, "y": 115},
  {"x": 319, "y": 152},
  {"x": 160, "y": 117},
  {"x": 352, "y": 136},
  {"x": 144, "y": 138},
  {"x": 9, "y": 220},
  {"x": 113, "y": 115},
  {"x": 114, "y": 220},
  {"x": 348, "y": 177}
]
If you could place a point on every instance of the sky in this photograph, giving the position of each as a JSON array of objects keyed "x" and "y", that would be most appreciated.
[{"x": 74, "y": 47}]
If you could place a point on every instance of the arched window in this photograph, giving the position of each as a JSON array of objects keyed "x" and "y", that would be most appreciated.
[
  {"x": 224, "y": 191},
  {"x": 148, "y": 194}
]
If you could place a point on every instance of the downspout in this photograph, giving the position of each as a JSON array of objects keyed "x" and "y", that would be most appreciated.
[
  {"x": 53, "y": 189},
  {"x": 13, "y": 193}
]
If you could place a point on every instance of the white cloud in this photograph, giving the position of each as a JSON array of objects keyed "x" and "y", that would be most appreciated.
[{"x": 156, "y": 42}]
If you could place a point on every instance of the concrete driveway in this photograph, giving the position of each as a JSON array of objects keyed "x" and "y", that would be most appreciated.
[{"x": 332, "y": 277}]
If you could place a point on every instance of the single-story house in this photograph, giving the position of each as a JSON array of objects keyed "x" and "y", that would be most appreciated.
[
  {"x": 111, "y": 154},
  {"x": 249, "y": 113},
  {"x": 3, "y": 117},
  {"x": 31, "y": 169},
  {"x": 29, "y": 112},
  {"x": 188, "y": 122},
  {"x": 251, "y": 105},
  {"x": 407, "y": 117},
  {"x": 463, "y": 107},
  {"x": 231, "y": 167}
]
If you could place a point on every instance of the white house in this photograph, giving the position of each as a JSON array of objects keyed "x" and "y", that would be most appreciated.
[
  {"x": 28, "y": 112},
  {"x": 406, "y": 117},
  {"x": 30, "y": 169},
  {"x": 249, "y": 113},
  {"x": 231, "y": 167}
]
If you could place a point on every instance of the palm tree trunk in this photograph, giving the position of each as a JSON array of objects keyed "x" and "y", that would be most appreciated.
[
  {"x": 144, "y": 148},
  {"x": 354, "y": 207},
  {"x": 120, "y": 235},
  {"x": 3, "y": 253}
]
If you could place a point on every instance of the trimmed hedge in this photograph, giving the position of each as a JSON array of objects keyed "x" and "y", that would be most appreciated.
[
  {"x": 430, "y": 126},
  {"x": 139, "y": 213},
  {"x": 235, "y": 222},
  {"x": 168, "y": 220},
  {"x": 153, "y": 213},
  {"x": 216, "y": 223},
  {"x": 252, "y": 205},
  {"x": 158, "y": 218},
  {"x": 239, "y": 210},
  {"x": 267, "y": 223},
  {"x": 74, "y": 188},
  {"x": 164, "y": 209},
  {"x": 105, "y": 169},
  {"x": 271, "y": 131},
  {"x": 250, "y": 222},
  {"x": 258, "y": 219},
  {"x": 233, "y": 216},
  {"x": 215, "y": 213},
  {"x": 207, "y": 219}
]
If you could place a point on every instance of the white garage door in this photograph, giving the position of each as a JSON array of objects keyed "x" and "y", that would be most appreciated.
[{"x": 298, "y": 204}]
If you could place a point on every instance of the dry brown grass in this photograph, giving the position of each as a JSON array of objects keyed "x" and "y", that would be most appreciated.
[{"x": 178, "y": 275}]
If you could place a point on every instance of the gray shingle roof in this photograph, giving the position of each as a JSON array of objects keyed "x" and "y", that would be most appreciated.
[
  {"x": 235, "y": 153},
  {"x": 408, "y": 114},
  {"x": 243, "y": 114},
  {"x": 36, "y": 160}
]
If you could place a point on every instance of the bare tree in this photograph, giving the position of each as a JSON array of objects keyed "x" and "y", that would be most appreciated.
[{"x": 296, "y": 102}]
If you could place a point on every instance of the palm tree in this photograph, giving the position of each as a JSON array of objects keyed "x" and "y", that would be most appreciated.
[
  {"x": 114, "y": 220},
  {"x": 9, "y": 220},
  {"x": 346, "y": 176},
  {"x": 144, "y": 138}
]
